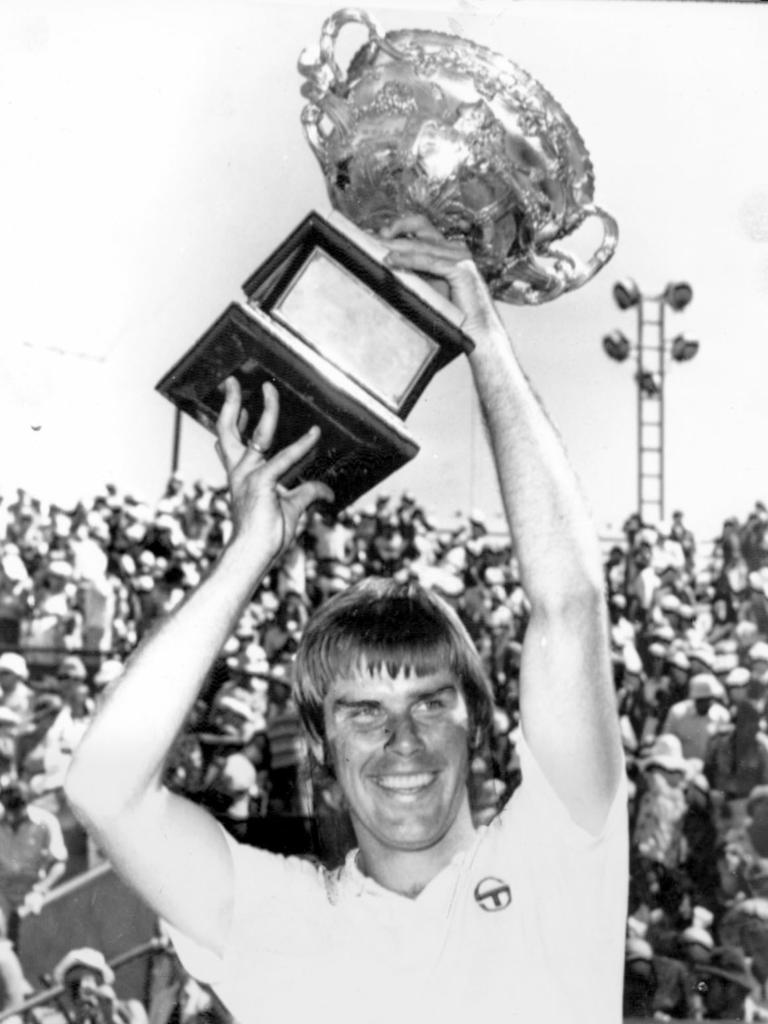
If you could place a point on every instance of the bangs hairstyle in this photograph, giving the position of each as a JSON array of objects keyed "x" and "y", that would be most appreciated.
[{"x": 379, "y": 625}]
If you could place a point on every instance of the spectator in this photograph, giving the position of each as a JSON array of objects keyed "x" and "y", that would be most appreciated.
[
  {"x": 89, "y": 996},
  {"x": 737, "y": 761},
  {"x": 658, "y": 832},
  {"x": 698, "y": 717},
  {"x": 640, "y": 981},
  {"x": 55, "y": 622},
  {"x": 727, "y": 983},
  {"x": 14, "y": 987},
  {"x": 15, "y": 594},
  {"x": 288, "y": 753},
  {"x": 33, "y": 856},
  {"x": 48, "y": 764},
  {"x": 15, "y": 695}
]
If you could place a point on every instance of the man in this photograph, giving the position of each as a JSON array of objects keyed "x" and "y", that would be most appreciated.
[
  {"x": 737, "y": 761},
  {"x": 428, "y": 919},
  {"x": 726, "y": 982},
  {"x": 699, "y": 717},
  {"x": 15, "y": 694},
  {"x": 89, "y": 996},
  {"x": 33, "y": 856}
]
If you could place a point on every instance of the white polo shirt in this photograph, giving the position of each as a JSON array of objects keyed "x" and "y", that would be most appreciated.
[{"x": 526, "y": 925}]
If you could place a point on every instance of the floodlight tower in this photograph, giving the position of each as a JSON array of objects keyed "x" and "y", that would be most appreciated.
[{"x": 650, "y": 349}]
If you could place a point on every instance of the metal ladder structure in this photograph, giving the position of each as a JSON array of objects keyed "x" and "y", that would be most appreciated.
[{"x": 650, "y": 408}]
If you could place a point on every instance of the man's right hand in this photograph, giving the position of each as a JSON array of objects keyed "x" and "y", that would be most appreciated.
[{"x": 264, "y": 513}]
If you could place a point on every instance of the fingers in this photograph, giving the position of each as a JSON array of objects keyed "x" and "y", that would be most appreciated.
[
  {"x": 229, "y": 443},
  {"x": 286, "y": 459},
  {"x": 233, "y": 419},
  {"x": 414, "y": 224},
  {"x": 301, "y": 497},
  {"x": 414, "y": 228},
  {"x": 425, "y": 259},
  {"x": 264, "y": 433}
]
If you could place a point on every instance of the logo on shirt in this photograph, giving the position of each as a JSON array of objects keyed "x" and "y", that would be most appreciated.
[{"x": 492, "y": 894}]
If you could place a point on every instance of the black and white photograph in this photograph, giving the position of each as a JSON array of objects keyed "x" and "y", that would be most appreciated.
[{"x": 383, "y": 512}]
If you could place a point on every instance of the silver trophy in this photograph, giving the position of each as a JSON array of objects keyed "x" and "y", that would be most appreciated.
[
  {"x": 421, "y": 122},
  {"x": 435, "y": 124}
]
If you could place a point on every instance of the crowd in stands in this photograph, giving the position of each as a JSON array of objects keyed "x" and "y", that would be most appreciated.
[{"x": 689, "y": 647}]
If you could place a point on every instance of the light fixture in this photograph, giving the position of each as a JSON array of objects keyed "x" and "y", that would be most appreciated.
[
  {"x": 678, "y": 294},
  {"x": 616, "y": 345},
  {"x": 626, "y": 293},
  {"x": 684, "y": 348}
]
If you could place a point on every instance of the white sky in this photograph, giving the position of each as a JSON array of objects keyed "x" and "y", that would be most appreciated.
[{"x": 153, "y": 157}]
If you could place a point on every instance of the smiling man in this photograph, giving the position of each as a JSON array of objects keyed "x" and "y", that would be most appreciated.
[{"x": 428, "y": 918}]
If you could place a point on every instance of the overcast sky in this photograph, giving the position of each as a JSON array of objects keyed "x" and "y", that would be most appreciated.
[{"x": 153, "y": 156}]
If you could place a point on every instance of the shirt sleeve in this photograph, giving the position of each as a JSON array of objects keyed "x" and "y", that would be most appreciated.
[
  {"x": 536, "y": 802},
  {"x": 267, "y": 888},
  {"x": 572, "y": 892}
]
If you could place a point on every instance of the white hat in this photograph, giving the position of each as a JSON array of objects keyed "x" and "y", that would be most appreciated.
[
  {"x": 699, "y": 936},
  {"x": 237, "y": 707},
  {"x": 679, "y": 659},
  {"x": 667, "y": 753},
  {"x": 638, "y": 949},
  {"x": 58, "y": 567},
  {"x": 252, "y": 660},
  {"x": 704, "y": 685},
  {"x": 14, "y": 663},
  {"x": 725, "y": 663},
  {"x": 85, "y": 957},
  {"x": 738, "y": 676},
  {"x": 758, "y": 651},
  {"x": 702, "y": 653}
]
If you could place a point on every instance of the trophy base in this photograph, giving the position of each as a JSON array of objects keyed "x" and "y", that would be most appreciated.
[{"x": 362, "y": 440}]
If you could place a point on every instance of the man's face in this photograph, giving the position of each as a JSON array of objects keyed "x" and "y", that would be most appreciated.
[
  {"x": 8, "y": 681},
  {"x": 723, "y": 998},
  {"x": 14, "y": 806},
  {"x": 399, "y": 746}
]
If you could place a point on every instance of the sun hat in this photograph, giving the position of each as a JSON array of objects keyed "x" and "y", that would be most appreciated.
[
  {"x": 704, "y": 685},
  {"x": 85, "y": 957},
  {"x": 666, "y": 752},
  {"x": 729, "y": 962},
  {"x": 15, "y": 664}
]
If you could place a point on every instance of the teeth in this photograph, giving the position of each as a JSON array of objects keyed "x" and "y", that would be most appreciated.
[{"x": 405, "y": 781}]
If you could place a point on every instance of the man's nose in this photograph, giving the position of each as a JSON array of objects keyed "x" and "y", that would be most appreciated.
[{"x": 404, "y": 737}]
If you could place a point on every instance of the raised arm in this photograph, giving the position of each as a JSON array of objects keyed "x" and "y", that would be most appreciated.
[
  {"x": 567, "y": 704},
  {"x": 169, "y": 849}
]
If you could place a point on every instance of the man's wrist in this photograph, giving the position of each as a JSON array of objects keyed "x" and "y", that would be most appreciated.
[{"x": 244, "y": 562}]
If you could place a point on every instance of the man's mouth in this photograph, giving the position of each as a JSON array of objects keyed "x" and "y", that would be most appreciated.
[{"x": 413, "y": 782}]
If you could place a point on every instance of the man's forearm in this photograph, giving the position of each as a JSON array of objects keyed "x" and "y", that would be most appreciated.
[
  {"x": 551, "y": 528},
  {"x": 125, "y": 748},
  {"x": 54, "y": 873}
]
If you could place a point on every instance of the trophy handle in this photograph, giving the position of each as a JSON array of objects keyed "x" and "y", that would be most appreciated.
[
  {"x": 326, "y": 82},
  {"x": 602, "y": 254},
  {"x": 541, "y": 276},
  {"x": 330, "y": 32}
]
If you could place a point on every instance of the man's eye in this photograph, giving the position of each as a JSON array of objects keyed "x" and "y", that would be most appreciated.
[
  {"x": 366, "y": 715},
  {"x": 431, "y": 704}
]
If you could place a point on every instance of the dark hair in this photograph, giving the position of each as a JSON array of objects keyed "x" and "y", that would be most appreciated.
[{"x": 378, "y": 625}]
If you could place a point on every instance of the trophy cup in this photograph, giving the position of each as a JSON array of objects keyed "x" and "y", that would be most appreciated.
[{"x": 422, "y": 122}]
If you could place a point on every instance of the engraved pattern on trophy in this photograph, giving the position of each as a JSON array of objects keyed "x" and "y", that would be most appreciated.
[{"x": 431, "y": 123}]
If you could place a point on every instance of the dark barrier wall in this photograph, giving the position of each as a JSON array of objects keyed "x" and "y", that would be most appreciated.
[{"x": 98, "y": 910}]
